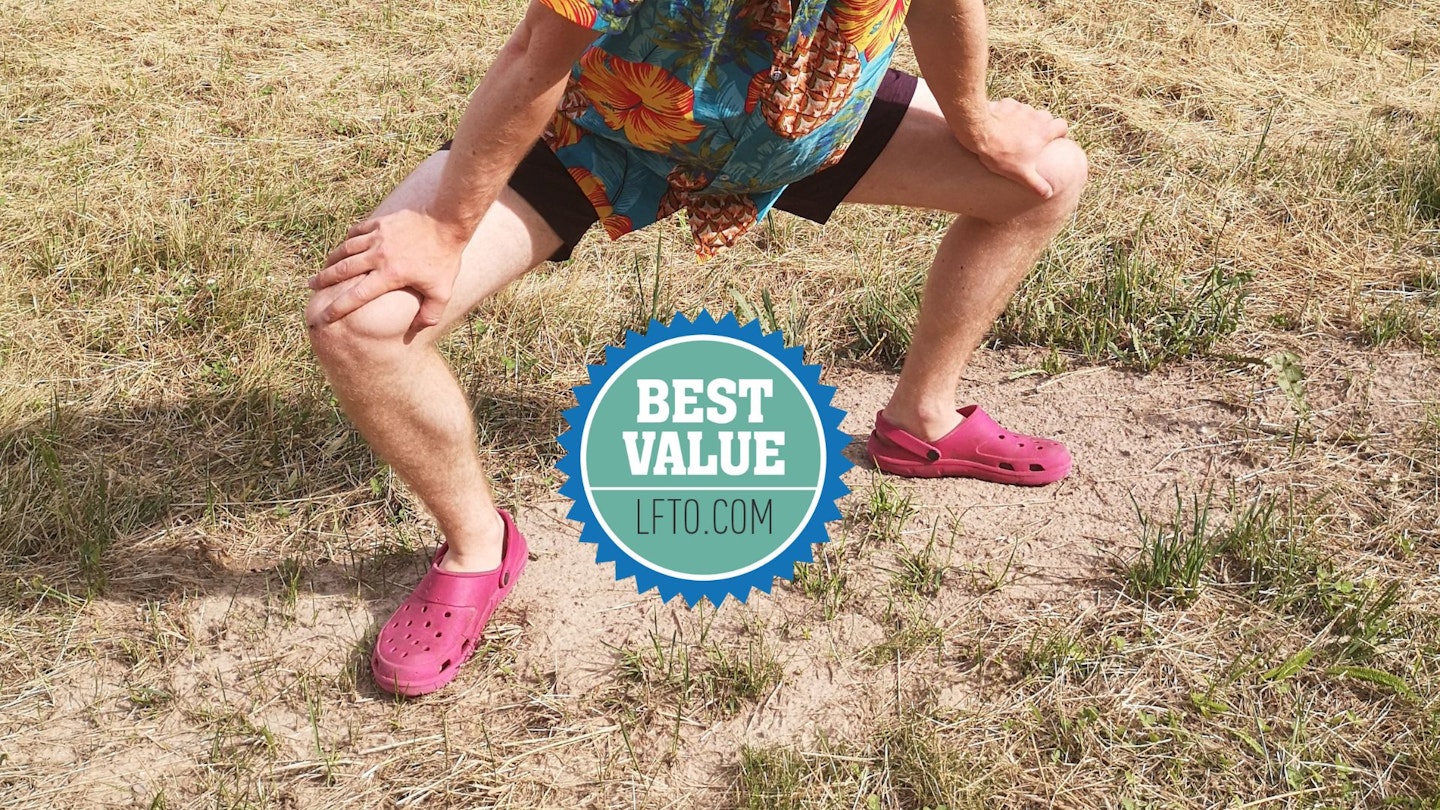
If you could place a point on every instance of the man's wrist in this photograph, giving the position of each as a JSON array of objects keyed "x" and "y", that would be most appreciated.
[
  {"x": 454, "y": 224},
  {"x": 972, "y": 124}
]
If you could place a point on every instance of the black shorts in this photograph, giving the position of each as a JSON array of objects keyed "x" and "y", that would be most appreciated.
[{"x": 542, "y": 181}]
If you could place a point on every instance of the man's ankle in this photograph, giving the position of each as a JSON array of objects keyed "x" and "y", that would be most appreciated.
[
  {"x": 478, "y": 551},
  {"x": 927, "y": 423}
]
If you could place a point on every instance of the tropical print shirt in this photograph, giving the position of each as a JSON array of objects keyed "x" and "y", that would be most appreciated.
[{"x": 714, "y": 106}]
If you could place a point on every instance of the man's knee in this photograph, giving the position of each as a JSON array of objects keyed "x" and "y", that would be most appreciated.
[
  {"x": 381, "y": 326},
  {"x": 1064, "y": 165}
]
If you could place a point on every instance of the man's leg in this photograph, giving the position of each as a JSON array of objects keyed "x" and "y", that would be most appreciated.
[
  {"x": 1001, "y": 231},
  {"x": 398, "y": 391}
]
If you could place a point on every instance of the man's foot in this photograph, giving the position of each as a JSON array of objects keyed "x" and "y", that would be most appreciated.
[
  {"x": 438, "y": 627},
  {"x": 977, "y": 448}
]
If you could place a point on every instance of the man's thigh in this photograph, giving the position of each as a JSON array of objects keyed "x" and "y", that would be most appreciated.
[
  {"x": 511, "y": 239},
  {"x": 924, "y": 166}
]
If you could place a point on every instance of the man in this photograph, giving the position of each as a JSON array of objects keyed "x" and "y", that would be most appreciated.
[{"x": 722, "y": 108}]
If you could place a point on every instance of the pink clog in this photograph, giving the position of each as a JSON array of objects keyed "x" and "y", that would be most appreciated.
[
  {"x": 976, "y": 448},
  {"x": 439, "y": 626}
]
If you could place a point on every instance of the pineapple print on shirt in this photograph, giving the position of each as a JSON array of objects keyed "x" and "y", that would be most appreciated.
[
  {"x": 804, "y": 88},
  {"x": 718, "y": 118}
]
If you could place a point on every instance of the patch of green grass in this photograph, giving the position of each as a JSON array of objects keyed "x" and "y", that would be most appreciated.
[
  {"x": 919, "y": 572},
  {"x": 1055, "y": 653},
  {"x": 911, "y": 632},
  {"x": 882, "y": 317},
  {"x": 1426, "y": 184},
  {"x": 887, "y": 509},
  {"x": 1425, "y": 280},
  {"x": 694, "y": 676},
  {"x": 793, "y": 321},
  {"x": 1174, "y": 553},
  {"x": 1068, "y": 738},
  {"x": 1384, "y": 168},
  {"x": 1388, "y": 169},
  {"x": 732, "y": 678},
  {"x": 1136, "y": 313},
  {"x": 1398, "y": 321},
  {"x": 1427, "y": 432},
  {"x": 660, "y": 663},
  {"x": 994, "y": 575},
  {"x": 1262, "y": 544},
  {"x": 824, "y": 579},
  {"x": 783, "y": 778},
  {"x": 648, "y": 285},
  {"x": 1267, "y": 552},
  {"x": 291, "y": 573},
  {"x": 775, "y": 779},
  {"x": 924, "y": 770},
  {"x": 70, "y": 505}
]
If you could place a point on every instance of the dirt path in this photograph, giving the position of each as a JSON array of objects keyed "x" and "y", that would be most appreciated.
[{"x": 260, "y": 691}]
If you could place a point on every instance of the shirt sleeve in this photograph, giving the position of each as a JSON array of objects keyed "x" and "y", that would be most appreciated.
[{"x": 605, "y": 16}]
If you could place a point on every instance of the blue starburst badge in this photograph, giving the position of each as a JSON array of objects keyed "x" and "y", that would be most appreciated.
[{"x": 704, "y": 459}]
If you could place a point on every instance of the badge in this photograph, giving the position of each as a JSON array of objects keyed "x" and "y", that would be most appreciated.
[{"x": 704, "y": 459}]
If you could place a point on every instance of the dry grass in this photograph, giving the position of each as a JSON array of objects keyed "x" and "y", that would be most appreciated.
[{"x": 194, "y": 543}]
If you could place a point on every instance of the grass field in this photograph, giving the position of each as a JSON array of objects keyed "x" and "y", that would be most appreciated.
[{"x": 1233, "y": 603}]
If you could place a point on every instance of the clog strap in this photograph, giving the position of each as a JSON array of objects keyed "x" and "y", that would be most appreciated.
[{"x": 905, "y": 440}]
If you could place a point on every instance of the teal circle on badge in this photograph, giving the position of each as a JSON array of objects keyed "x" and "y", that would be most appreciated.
[{"x": 703, "y": 457}]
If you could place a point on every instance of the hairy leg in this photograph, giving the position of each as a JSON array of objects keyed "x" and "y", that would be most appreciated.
[
  {"x": 1001, "y": 230},
  {"x": 395, "y": 387}
]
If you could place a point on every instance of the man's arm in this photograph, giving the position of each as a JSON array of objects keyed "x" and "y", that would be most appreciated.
[
  {"x": 951, "y": 42},
  {"x": 420, "y": 249}
]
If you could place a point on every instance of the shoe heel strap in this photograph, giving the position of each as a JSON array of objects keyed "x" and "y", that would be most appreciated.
[{"x": 906, "y": 441}]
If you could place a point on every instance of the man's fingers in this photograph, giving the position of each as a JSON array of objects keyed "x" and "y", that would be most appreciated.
[
  {"x": 432, "y": 309},
  {"x": 1059, "y": 128},
  {"x": 1038, "y": 184},
  {"x": 360, "y": 293},
  {"x": 362, "y": 227},
  {"x": 350, "y": 247},
  {"x": 350, "y": 258},
  {"x": 347, "y": 268}
]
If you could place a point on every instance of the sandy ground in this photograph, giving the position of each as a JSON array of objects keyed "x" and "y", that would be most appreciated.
[{"x": 270, "y": 698}]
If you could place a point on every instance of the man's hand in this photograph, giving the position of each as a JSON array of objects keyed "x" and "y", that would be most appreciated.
[
  {"x": 1009, "y": 139},
  {"x": 407, "y": 249},
  {"x": 951, "y": 42},
  {"x": 419, "y": 250}
]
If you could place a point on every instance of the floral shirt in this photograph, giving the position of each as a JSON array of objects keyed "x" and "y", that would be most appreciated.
[{"x": 714, "y": 106}]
